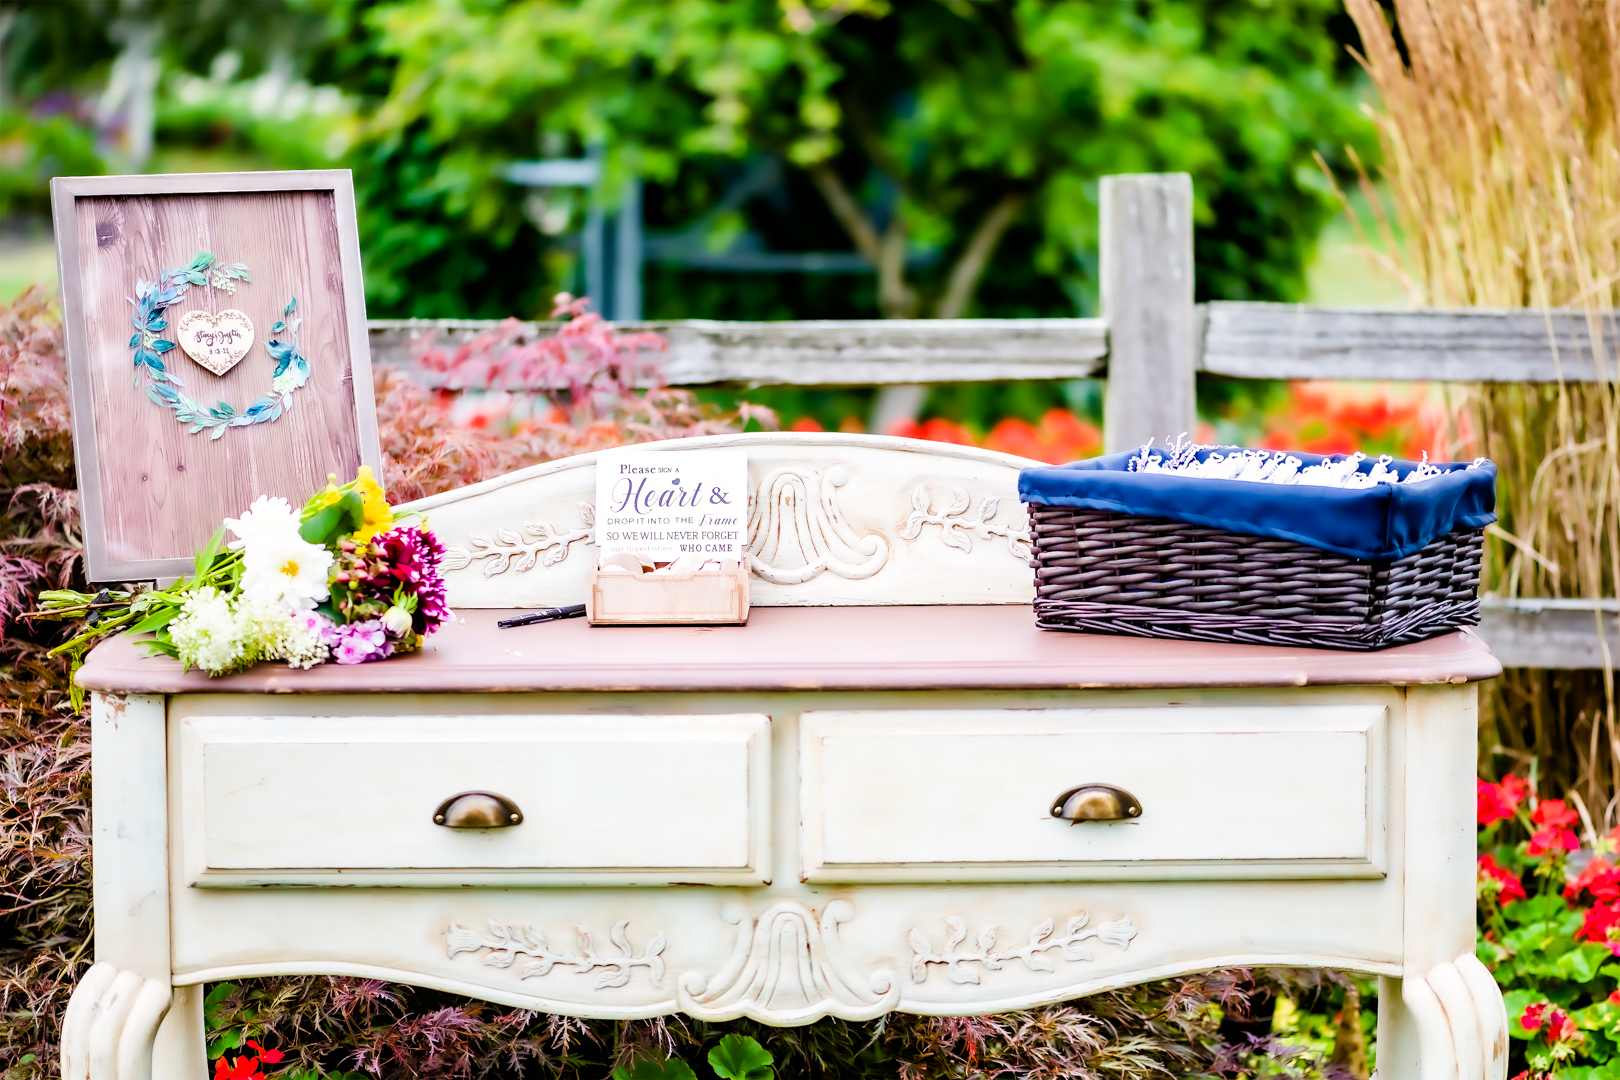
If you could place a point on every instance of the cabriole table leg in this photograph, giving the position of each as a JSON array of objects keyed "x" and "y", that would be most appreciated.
[
  {"x": 1449, "y": 1023},
  {"x": 110, "y": 1024}
]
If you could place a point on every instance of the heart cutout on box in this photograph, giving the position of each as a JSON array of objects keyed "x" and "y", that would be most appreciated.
[{"x": 217, "y": 342}]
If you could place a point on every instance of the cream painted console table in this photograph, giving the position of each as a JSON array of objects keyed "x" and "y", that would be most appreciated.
[{"x": 854, "y": 792}]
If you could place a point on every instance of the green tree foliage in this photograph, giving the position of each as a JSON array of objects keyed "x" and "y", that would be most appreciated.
[
  {"x": 949, "y": 143},
  {"x": 954, "y": 143}
]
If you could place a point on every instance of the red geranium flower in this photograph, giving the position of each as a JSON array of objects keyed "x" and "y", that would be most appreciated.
[
  {"x": 1497, "y": 801},
  {"x": 1600, "y": 879},
  {"x": 1552, "y": 838},
  {"x": 1560, "y": 1028},
  {"x": 269, "y": 1057},
  {"x": 245, "y": 1067},
  {"x": 1554, "y": 817},
  {"x": 1554, "y": 812},
  {"x": 1600, "y": 924},
  {"x": 1506, "y": 883}
]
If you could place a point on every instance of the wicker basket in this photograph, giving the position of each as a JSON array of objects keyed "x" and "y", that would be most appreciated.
[{"x": 1100, "y": 571}]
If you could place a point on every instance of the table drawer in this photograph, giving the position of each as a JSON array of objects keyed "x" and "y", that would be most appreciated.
[
  {"x": 1228, "y": 792},
  {"x": 351, "y": 799}
]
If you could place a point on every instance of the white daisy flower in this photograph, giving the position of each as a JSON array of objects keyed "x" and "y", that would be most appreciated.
[
  {"x": 285, "y": 570},
  {"x": 268, "y": 517}
]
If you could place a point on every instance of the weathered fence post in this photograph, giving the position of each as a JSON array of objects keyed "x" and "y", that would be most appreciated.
[{"x": 1146, "y": 266}]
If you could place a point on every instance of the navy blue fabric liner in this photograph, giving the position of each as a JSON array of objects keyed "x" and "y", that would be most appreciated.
[{"x": 1386, "y": 521}]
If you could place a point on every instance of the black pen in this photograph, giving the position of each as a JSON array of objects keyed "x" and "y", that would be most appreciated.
[{"x": 550, "y": 614}]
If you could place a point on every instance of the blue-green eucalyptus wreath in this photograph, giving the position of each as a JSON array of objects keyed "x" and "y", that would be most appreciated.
[{"x": 153, "y": 298}]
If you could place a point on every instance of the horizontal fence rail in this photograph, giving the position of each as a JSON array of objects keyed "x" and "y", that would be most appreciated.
[
  {"x": 1241, "y": 340},
  {"x": 873, "y": 352},
  {"x": 1563, "y": 634},
  {"x": 1292, "y": 341}
]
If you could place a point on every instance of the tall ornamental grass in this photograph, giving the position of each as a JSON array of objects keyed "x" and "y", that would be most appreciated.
[{"x": 1501, "y": 146}]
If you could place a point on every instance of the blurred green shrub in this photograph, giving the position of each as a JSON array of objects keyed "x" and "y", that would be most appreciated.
[{"x": 34, "y": 148}]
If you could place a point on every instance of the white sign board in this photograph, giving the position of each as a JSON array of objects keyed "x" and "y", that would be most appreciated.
[{"x": 668, "y": 503}]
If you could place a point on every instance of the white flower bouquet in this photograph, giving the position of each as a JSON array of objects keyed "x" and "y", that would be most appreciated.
[{"x": 337, "y": 580}]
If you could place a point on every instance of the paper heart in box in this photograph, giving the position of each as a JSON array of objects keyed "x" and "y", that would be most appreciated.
[{"x": 217, "y": 342}]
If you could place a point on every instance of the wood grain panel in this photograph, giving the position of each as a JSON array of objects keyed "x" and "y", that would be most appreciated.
[{"x": 165, "y": 490}]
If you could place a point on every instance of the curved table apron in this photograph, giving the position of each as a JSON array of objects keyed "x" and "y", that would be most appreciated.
[{"x": 827, "y": 812}]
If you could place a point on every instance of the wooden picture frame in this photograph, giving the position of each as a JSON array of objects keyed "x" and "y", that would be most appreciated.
[{"x": 160, "y": 465}]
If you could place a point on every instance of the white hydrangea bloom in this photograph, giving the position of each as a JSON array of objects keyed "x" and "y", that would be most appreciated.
[
  {"x": 274, "y": 633},
  {"x": 305, "y": 643},
  {"x": 208, "y": 635}
]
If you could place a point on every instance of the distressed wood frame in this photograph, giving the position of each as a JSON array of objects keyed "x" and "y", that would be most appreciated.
[{"x": 101, "y": 561}]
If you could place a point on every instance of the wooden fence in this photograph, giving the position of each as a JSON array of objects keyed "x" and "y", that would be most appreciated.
[{"x": 1150, "y": 344}]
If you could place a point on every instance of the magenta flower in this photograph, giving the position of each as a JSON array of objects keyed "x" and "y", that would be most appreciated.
[{"x": 411, "y": 558}]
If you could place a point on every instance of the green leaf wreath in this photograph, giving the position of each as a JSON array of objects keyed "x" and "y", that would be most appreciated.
[{"x": 154, "y": 298}]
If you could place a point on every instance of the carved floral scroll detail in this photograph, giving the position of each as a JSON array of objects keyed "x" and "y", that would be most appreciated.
[
  {"x": 796, "y": 530},
  {"x": 984, "y": 953},
  {"x": 507, "y": 943},
  {"x": 508, "y": 547},
  {"x": 785, "y": 969},
  {"x": 957, "y": 529}
]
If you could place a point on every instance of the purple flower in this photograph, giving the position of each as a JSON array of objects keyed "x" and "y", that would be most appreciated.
[
  {"x": 311, "y": 621},
  {"x": 359, "y": 642}
]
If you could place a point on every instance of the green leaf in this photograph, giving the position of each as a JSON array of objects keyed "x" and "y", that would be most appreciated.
[
  {"x": 160, "y": 648},
  {"x": 740, "y": 1057},
  {"x": 645, "y": 1068},
  {"x": 1582, "y": 963},
  {"x": 155, "y": 621},
  {"x": 330, "y": 523},
  {"x": 203, "y": 261},
  {"x": 206, "y": 557}
]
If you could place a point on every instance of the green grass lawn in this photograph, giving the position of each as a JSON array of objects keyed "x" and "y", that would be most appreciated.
[{"x": 24, "y": 262}]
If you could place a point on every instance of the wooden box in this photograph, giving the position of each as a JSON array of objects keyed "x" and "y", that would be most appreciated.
[{"x": 705, "y": 596}]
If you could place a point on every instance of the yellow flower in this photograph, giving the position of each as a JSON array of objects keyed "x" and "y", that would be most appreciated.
[
  {"x": 379, "y": 516},
  {"x": 376, "y": 515}
]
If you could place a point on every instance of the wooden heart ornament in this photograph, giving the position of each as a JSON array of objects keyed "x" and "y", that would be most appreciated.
[{"x": 217, "y": 342}]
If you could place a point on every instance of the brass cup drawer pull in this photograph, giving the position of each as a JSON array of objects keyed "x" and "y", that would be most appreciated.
[
  {"x": 1096, "y": 802},
  {"x": 478, "y": 810}
]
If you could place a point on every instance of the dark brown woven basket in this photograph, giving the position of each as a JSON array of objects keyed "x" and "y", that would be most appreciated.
[{"x": 1108, "y": 573}]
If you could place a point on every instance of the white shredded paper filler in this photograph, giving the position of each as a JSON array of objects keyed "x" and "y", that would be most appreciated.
[{"x": 1278, "y": 466}]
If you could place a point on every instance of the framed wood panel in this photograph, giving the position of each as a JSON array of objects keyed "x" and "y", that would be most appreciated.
[{"x": 154, "y": 483}]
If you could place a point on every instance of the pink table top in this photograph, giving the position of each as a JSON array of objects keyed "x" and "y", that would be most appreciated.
[{"x": 830, "y": 648}]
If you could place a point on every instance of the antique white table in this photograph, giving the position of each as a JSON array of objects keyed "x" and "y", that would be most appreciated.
[{"x": 843, "y": 808}]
